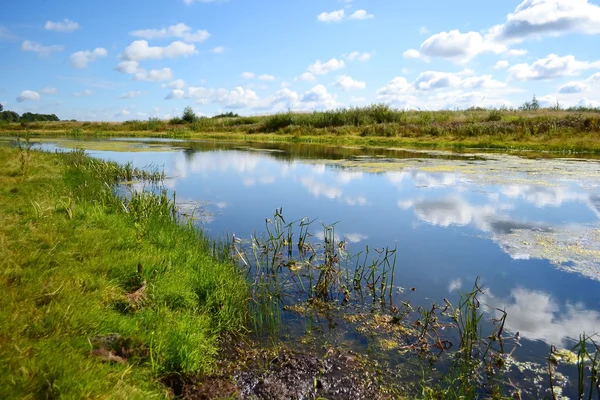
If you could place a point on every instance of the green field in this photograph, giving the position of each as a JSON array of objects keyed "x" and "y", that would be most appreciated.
[{"x": 573, "y": 130}]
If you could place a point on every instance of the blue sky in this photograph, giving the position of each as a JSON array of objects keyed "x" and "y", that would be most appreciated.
[{"x": 133, "y": 59}]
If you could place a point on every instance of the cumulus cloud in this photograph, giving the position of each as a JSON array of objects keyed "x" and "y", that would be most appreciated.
[
  {"x": 340, "y": 15},
  {"x": 81, "y": 59},
  {"x": 444, "y": 90},
  {"x": 581, "y": 86},
  {"x": 361, "y": 14},
  {"x": 178, "y": 31},
  {"x": 455, "y": 45},
  {"x": 154, "y": 75},
  {"x": 552, "y": 66},
  {"x": 531, "y": 19},
  {"x": 537, "y": 18},
  {"x": 62, "y": 26},
  {"x": 346, "y": 83},
  {"x": 307, "y": 76},
  {"x": 176, "y": 84},
  {"x": 319, "y": 68},
  {"x": 49, "y": 90},
  {"x": 28, "y": 95},
  {"x": 317, "y": 98},
  {"x": 266, "y": 77},
  {"x": 236, "y": 98},
  {"x": 248, "y": 75},
  {"x": 413, "y": 54},
  {"x": 502, "y": 64},
  {"x": 35, "y": 47},
  {"x": 127, "y": 67},
  {"x": 572, "y": 87},
  {"x": 357, "y": 55},
  {"x": 334, "y": 16},
  {"x": 432, "y": 80},
  {"x": 139, "y": 50},
  {"x": 131, "y": 94},
  {"x": 218, "y": 50}
]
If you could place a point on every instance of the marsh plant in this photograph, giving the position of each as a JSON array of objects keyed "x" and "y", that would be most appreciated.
[
  {"x": 288, "y": 265},
  {"x": 24, "y": 146}
]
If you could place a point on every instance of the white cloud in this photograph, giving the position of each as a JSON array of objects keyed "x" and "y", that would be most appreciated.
[
  {"x": 236, "y": 98},
  {"x": 334, "y": 16},
  {"x": 515, "y": 52},
  {"x": 537, "y": 18},
  {"x": 502, "y": 64},
  {"x": 313, "y": 99},
  {"x": 538, "y": 316},
  {"x": 84, "y": 93},
  {"x": 319, "y": 68},
  {"x": 572, "y": 87},
  {"x": 356, "y": 55},
  {"x": 347, "y": 83},
  {"x": 423, "y": 30},
  {"x": 176, "y": 84},
  {"x": 49, "y": 90},
  {"x": 531, "y": 19},
  {"x": 307, "y": 76},
  {"x": 414, "y": 54},
  {"x": 127, "y": 67},
  {"x": 62, "y": 26},
  {"x": 81, "y": 59},
  {"x": 550, "y": 67},
  {"x": 140, "y": 51},
  {"x": 357, "y": 99},
  {"x": 179, "y": 31},
  {"x": 361, "y": 14},
  {"x": 248, "y": 75},
  {"x": 155, "y": 75},
  {"x": 456, "y": 46},
  {"x": 593, "y": 82},
  {"x": 35, "y": 47},
  {"x": 218, "y": 50},
  {"x": 445, "y": 91},
  {"x": 131, "y": 94},
  {"x": 266, "y": 77},
  {"x": 28, "y": 95},
  {"x": 318, "y": 97}
]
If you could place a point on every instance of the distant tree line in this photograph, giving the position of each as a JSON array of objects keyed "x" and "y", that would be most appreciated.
[{"x": 11, "y": 116}]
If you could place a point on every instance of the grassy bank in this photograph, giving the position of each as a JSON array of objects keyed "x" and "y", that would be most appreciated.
[
  {"x": 102, "y": 296},
  {"x": 576, "y": 130}
]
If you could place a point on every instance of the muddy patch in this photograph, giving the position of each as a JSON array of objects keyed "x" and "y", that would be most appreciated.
[{"x": 278, "y": 374}]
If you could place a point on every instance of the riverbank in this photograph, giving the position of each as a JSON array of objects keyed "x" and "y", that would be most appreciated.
[
  {"x": 103, "y": 296},
  {"x": 540, "y": 130}
]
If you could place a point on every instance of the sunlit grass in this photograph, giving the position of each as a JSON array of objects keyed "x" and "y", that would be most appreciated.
[{"x": 72, "y": 254}]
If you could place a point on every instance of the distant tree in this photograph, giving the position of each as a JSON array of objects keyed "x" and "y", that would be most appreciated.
[
  {"x": 9, "y": 116},
  {"x": 188, "y": 115},
  {"x": 31, "y": 117},
  {"x": 535, "y": 105},
  {"x": 227, "y": 115},
  {"x": 531, "y": 106},
  {"x": 1, "y": 107}
]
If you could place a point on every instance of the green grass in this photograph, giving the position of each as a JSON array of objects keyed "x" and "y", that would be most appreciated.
[
  {"x": 78, "y": 264},
  {"x": 571, "y": 130}
]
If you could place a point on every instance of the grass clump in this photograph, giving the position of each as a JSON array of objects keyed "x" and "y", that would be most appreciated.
[{"x": 103, "y": 295}]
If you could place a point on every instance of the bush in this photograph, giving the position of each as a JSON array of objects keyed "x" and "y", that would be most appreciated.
[{"x": 494, "y": 116}]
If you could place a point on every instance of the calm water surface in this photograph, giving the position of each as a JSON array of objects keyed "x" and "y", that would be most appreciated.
[{"x": 528, "y": 227}]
